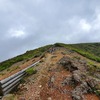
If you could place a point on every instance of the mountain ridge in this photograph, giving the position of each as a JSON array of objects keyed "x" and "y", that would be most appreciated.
[{"x": 65, "y": 72}]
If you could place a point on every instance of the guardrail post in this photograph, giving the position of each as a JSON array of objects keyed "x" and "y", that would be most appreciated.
[
  {"x": 1, "y": 92},
  {"x": 12, "y": 81}
]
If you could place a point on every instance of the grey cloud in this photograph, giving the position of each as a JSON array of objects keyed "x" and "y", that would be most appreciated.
[{"x": 28, "y": 24}]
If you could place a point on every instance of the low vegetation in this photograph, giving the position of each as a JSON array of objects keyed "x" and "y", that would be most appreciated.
[
  {"x": 30, "y": 71},
  {"x": 89, "y": 50},
  {"x": 26, "y": 56}
]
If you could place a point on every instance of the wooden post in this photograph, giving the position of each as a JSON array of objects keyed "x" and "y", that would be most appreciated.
[{"x": 1, "y": 92}]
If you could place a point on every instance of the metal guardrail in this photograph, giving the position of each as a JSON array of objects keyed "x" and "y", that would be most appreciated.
[{"x": 6, "y": 85}]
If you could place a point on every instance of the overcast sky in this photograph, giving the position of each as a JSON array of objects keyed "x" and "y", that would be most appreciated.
[{"x": 28, "y": 24}]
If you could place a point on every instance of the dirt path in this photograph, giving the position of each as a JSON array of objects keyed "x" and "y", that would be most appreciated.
[{"x": 46, "y": 84}]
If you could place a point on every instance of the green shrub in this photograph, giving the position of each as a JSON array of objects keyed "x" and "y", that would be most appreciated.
[
  {"x": 89, "y": 50},
  {"x": 8, "y": 69},
  {"x": 97, "y": 92},
  {"x": 30, "y": 71},
  {"x": 22, "y": 81},
  {"x": 26, "y": 56},
  {"x": 77, "y": 57},
  {"x": 58, "y": 45},
  {"x": 88, "y": 55}
]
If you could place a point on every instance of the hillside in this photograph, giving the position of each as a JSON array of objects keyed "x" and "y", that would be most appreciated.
[
  {"x": 93, "y": 48},
  {"x": 65, "y": 72},
  {"x": 89, "y": 50},
  {"x": 24, "y": 57}
]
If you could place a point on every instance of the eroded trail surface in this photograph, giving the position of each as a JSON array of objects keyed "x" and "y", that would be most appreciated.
[
  {"x": 61, "y": 75},
  {"x": 16, "y": 68}
]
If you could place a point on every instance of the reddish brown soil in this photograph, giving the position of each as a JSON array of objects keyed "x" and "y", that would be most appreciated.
[
  {"x": 91, "y": 97},
  {"x": 12, "y": 70},
  {"x": 42, "y": 88}
]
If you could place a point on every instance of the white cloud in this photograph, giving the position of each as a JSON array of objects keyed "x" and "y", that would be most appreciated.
[
  {"x": 79, "y": 25},
  {"x": 96, "y": 22},
  {"x": 46, "y": 21},
  {"x": 85, "y": 26},
  {"x": 17, "y": 33},
  {"x": 5, "y": 5}
]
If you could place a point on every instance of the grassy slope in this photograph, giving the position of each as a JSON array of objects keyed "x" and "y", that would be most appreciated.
[
  {"x": 89, "y": 50},
  {"x": 29, "y": 54}
]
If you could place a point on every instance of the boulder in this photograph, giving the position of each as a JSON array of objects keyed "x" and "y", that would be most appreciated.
[
  {"x": 51, "y": 82},
  {"x": 97, "y": 75},
  {"x": 78, "y": 76},
  {"x": 92, "y": 82},
  {"x": 68, "y": 64},
  {"x": 79, "y": 91},
  {"x": 67, "y": 81}
]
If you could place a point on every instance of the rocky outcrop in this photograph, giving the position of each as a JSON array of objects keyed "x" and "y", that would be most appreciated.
[
  {"x": 67, "y": 81},
  {"x": 80, "y": 79},
  {"x": 97, "y": 75},
  {"x": 68, "y": 64},
  {"x": 77, "y": 93},
  {"x": 73, "y": 65},
  {"x": 51, "y": 82}
]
